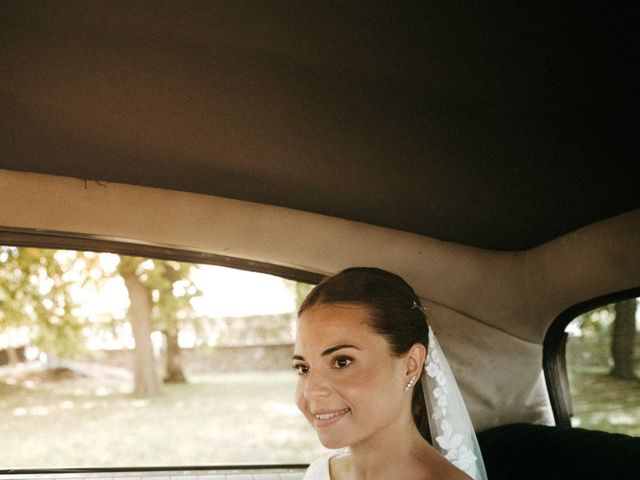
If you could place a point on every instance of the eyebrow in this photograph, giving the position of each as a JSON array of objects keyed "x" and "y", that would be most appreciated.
[{"x": 328, "y": 351}]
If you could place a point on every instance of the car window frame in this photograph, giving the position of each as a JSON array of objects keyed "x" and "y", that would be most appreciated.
[
  {"x": 554, "y": 363},
  {"x": 18, "y": 237}
]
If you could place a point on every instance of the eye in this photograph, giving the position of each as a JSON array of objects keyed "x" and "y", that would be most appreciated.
[
  {"x": 301, "y": 368},
  {"x": 342, "y": 362}
]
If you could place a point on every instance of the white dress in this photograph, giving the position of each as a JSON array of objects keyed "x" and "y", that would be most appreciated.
[{"x": 319, "y": 469}]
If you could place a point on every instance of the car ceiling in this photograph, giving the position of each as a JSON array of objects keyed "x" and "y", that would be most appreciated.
[{"x": 499, "y": 127}]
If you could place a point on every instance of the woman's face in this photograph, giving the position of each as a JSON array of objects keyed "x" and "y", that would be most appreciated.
[{"x": 350, "y": 384}]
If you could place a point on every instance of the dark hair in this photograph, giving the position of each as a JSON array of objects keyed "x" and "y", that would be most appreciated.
[{"x": 395, "y": 312}]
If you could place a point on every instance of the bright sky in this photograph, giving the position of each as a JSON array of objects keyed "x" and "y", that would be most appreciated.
[
  {"x": 229, "y": 292},
  {"x": 225, "y": 292}
]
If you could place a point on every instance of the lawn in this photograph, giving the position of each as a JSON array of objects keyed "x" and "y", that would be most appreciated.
[
  {"x": 601, "y": 402},
  {"x": 214, "y": 419}
]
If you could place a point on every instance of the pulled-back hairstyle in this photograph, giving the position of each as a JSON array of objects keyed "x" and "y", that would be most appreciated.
[{"x": 395, "y": 312}]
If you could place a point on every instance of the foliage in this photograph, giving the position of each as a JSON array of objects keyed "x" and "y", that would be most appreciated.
[
  {"x": 35, "y": 293},
  {"x": 299, "y": 289},
  {"x": 590, "y": 338},
  {"x": 164, "y": 292},
  {"x": 170, "y": 288},
  {"x": 596, "y": 322},
  {"x": 37, "y": 286}
]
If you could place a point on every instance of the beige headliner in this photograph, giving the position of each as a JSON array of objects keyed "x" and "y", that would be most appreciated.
[{"x": 480, "y": 301}]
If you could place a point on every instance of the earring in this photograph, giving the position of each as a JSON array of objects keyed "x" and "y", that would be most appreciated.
[{"x": 412, "y": 382}]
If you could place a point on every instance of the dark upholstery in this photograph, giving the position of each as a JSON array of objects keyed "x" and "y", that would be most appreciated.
[{"x": 524, "y": 451}]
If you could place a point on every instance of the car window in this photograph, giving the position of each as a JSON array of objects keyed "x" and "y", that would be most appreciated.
[
  {"x": 110, "y": 360},
  {"x": 603, "y": 368}
]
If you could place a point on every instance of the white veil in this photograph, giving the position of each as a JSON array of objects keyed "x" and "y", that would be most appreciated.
[{"x": 452, "y": 432}]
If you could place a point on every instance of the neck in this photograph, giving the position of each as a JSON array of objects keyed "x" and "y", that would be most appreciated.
[{"x": 380, "y": 457}]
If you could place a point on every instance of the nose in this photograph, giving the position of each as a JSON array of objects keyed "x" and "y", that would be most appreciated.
[{"x": 316, "y": 386}]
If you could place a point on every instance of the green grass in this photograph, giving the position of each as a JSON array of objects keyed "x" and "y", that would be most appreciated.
[
  {"x": 602, "y": 402},
  {"x": 214, "y": 419}
]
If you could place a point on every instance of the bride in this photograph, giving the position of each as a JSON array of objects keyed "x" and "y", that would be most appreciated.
[{"x": 373, "y": 378}]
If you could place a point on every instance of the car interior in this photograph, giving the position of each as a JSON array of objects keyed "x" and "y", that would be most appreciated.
[{"x": 482, "y": 152}]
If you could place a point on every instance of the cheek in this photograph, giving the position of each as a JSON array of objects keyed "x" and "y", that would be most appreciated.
[
  {"x": 300, "y": 400},
  {"x": 361, "y": 387},
  {"x": 374, "y": 388}
]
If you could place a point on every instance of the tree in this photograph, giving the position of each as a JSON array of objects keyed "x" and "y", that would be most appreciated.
[
  {"x": 35, "y": 293},
  {"x": 623, "y": 339},
  {"x": 170, "y": 283},
  {"x": 144, "y": 376},
  {"x": 160, "y": 292}
]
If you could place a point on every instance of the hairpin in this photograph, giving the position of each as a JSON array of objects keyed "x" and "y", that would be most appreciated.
[{"x": 418, "y": 307}]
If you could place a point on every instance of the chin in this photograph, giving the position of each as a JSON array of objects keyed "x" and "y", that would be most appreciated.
[{"x": 332, "y": 442}]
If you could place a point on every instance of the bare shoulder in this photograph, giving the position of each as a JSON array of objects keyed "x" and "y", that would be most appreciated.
[{"x": 446, "y": 471}]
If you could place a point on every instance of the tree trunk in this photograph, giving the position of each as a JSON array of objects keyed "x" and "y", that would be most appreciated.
[
  {"x": 12, "y": 356},
  {"x": 174, "y": 372},
  {"x": 144, "y": 371},
  {"x": 623, "y": 340}
]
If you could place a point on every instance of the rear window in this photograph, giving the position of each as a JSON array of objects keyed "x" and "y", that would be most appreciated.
[
  {"x": 109, "y": 361},
  {"x": 603, "y": 367}
]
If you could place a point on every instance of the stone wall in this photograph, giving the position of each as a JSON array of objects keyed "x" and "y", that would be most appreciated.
[{"x": 216, "y": 359}]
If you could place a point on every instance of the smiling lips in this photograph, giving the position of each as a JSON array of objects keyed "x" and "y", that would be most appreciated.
[{"x": 327, "y": 418}]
